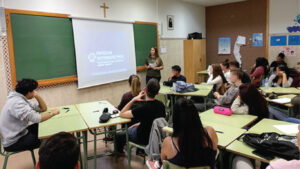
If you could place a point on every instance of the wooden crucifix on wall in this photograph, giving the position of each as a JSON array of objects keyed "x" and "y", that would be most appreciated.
[{"x": 104, "y": 8}]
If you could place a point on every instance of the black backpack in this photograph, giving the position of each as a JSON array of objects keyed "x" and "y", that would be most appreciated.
[{"x": 273, "y": 144}]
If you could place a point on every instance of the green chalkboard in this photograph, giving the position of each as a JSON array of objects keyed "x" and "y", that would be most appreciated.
[
  {"x": 145, "y": 37},
  {"x": 43, "y": 47}
]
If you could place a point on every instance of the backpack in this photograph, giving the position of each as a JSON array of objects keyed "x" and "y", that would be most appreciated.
[
  {"x": 274, "y": 144},
  {"x": 182, "y": 87}
]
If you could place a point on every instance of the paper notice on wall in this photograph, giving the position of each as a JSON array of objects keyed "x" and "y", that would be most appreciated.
[
  {"x": 288, "y": 51},
  {"x": 163, "y": 49},
  {"x": 241, "y": 40}
]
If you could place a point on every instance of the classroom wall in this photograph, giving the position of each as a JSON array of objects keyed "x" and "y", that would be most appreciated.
[
  {"x": 282, "y": 15},
  {"x": 230, "y": 20},
  {"x": 140, "y": 10}
]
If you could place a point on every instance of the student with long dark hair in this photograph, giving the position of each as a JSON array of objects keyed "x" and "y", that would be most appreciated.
[
  {"x": 258, "y": 71},
  {"x": 281, "y": 78},
  {"x": 225, "y": 68},
  {"x": 191, "y": 144},
  {"x": 154, "y": 65},
  {"x": 216, "y": 78},
  {"x": 250, "y": 101}
]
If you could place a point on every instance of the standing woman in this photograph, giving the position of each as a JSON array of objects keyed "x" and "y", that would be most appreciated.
[{"x": 154, "y": 65}]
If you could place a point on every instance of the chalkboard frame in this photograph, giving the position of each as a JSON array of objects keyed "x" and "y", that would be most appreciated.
[
  {"x": 46, "y": 82},
  {"x": 142, "y": 68}
]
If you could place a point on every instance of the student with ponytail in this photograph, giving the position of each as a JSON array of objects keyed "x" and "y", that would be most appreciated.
[{"x": 135, "y": 85}]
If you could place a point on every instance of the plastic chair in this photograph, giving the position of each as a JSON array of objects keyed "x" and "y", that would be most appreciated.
[
  {"x": 7, "y": 154},
  {"x": 131, "y": 146},
  {"x": 168, "y": 165}
]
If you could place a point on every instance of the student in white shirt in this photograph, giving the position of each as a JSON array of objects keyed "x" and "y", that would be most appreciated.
[
  {"x": 225, "y": 68},
  {"x": 216, "y": 77}
]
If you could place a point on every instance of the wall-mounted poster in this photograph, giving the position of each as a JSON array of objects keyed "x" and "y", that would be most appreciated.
[
  {"x": 257, "y": 39},
  {"x": 278, "y": 40},
  {"x": 224, "y": 45},
  {"x": 294, "y": 40}
]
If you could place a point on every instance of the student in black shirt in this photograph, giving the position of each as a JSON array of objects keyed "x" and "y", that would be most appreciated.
[
  {"x": 234, "y": 65},
  {"x": 149, "y": 110},
  {"x": 176, "y": 76},
  {"x": 279, "y": 61}
]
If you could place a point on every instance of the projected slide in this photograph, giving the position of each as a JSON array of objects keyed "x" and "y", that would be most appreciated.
[{"x": 104, "y": 51}]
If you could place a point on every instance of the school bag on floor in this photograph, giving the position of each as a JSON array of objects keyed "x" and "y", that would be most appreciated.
[{"x": 274, "y": 144}]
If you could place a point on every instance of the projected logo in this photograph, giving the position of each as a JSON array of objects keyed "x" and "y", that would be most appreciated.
[
  {"x": 296, "y": 27},
  {"x": 105, "y": 58}
]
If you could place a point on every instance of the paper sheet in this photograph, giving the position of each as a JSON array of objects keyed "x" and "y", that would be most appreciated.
[
  {"x": 288, "y": 129},
  {"x": 241, "y": 40},
  {"x": 282, "y": 100}
]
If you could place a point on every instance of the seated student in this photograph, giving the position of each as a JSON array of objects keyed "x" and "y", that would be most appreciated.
[
  {"x": 135, "y": 85},
  {"x": 60, "y": 151},
  {"x": 258, "y": 71},
  {"x": 233, "y": 65},
  {"x": 279, "y": 61},
  {"x": 176, "y": 76},
  {"x": 146, "y": 113},
  {"x": 284, "y": 164},
  {"x": 296, "y": 81},
  {"x": 225, "y": 68},
  {"x": 281, "y": 78},
  {"x": 18, "y": 112},
  {"x": 250, "y": 101},
  {"x": 277, "y": 114},
  {"x": 191, "y": 144},
  {"x": 227, "y": 99},
  {"x": 216, "y": 78}
]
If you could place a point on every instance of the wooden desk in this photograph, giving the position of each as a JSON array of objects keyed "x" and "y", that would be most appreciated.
[
  {"x": 202, "y": 75},
  {"x": 235, "y": 120},
  {"x": 241, "y": 148},
  {"x": 70, "y": 122},
  {"x": 280, "y": 90},
  {"x": 91, "y": 113},
  {"x": 228, "y": 136}
]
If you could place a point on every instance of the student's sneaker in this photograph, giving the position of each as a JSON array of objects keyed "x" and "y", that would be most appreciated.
[
  {"x": 152, "y": 164},
  {"x": 140, "y": 152}
]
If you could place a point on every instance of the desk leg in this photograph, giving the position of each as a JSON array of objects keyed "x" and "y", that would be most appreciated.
[
  {"x": 84, "y": 136},
  {"x": 127, "y": 146},
  {"x": 95, "y": 149},
  {"x": 115, "y": 146},
  {"x": 80, "y": 156}
]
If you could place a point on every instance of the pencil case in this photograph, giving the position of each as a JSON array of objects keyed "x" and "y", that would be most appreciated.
[{"x": 222, "y": 110}]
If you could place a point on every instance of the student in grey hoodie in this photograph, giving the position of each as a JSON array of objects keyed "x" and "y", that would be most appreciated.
[
  {"x": 227, "y": 99},
  {"x": 17, "y": 115}
]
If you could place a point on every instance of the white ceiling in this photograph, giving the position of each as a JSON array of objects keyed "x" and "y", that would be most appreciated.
[{"x": 212, "y": 2}]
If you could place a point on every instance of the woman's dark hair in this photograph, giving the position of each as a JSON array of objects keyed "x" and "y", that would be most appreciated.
[
  {"x": 283, "y": 68},
  {"x": 25, "y": 86},
  {"x": 235, "y": 63},
  {"x": 226, "y": 63},
  {"x": 188, "y": 128},
  {"x": 254, "y": 100},
  {"x": 156, "y": 52},
  {"x": 217, "y": 71},
  {"x": 261, "y": 61},
  {"x": 60, "y": 151}
]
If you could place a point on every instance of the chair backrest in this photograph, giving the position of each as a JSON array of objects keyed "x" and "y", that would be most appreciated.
[{"x": 168, "y": 165}]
